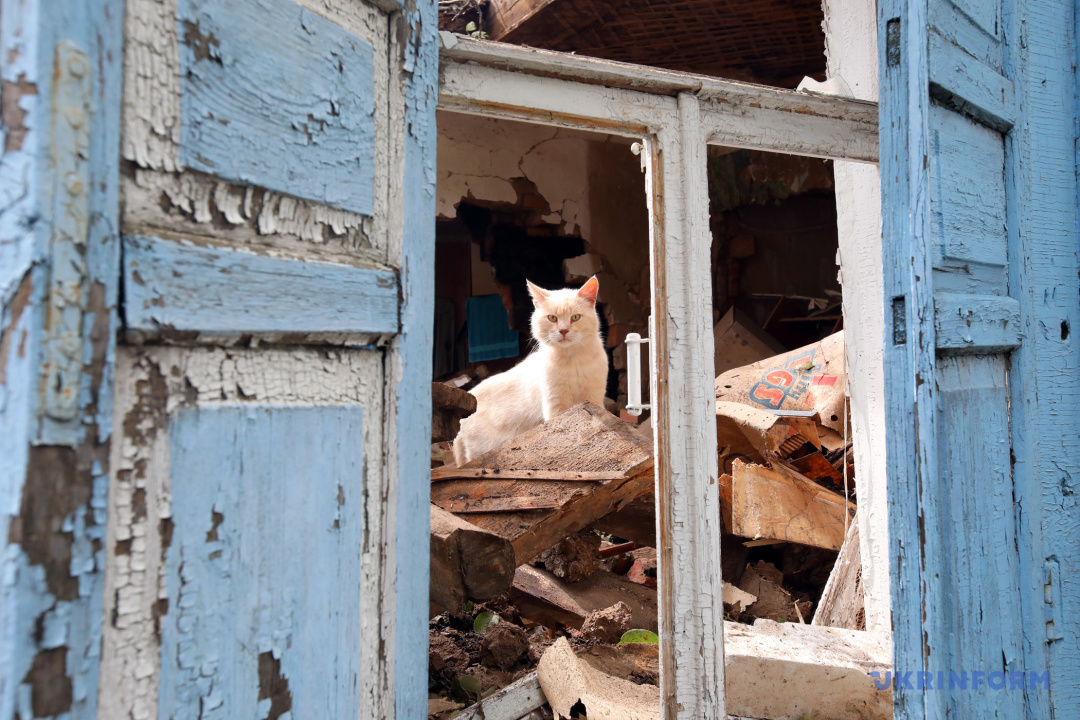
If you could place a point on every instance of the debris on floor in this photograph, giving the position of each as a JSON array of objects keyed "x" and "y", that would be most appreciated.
[
  {"x": 543, "y": 550},
  {"x": 551, "y": 481},
  {"x": 575, "y": 686}
]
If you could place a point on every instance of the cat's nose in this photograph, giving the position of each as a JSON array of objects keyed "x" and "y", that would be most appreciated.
[{"x": 563, "y": 332}]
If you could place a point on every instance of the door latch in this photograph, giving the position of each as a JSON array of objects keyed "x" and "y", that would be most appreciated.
[{"x": 633, "y": 374}]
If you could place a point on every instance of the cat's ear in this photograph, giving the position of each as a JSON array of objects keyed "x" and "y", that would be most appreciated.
[
  {"x": 589, "y": 289},
  {"x": 538, "y": 293}
]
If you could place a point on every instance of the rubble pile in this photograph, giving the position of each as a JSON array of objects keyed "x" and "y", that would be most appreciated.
[{"x": 544, "y": 550}]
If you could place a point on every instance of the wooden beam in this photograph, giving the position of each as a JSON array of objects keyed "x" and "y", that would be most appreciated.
[
  {"x": 202, "y": 289},
  {"x": 467, "y": 563},
  {"x": 447, "y": 397},
  {"x": 505, "y": 16},
  {"x": 684, "y": 427},
  {"x": 448, "y": 406}
]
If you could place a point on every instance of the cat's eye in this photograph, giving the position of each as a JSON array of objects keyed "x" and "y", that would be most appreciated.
[
  {"x": 553, "y": 318},
  {"x": 575, "y": 318}
]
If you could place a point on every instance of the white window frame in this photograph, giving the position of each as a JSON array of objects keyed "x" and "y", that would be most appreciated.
[{"x": 677, "y": 115}]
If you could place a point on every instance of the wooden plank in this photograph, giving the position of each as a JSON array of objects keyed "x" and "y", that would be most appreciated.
[
  {"x": 467, "y": 563},
  {"x": 496, "y": 91},
  {"x": 153, "y": 382},
  {"x": 555, "y": 601},
  {"x": 684, "y": 422},
  {"x": 841, "y": 603},
  {"x": 780, "y": 504},
  {"x": 513, "y": 702},
  {"x": 506, "y": 15},
  {"x": 172, "y": 287},
  {"x": 456, "y": 473},
  {"x": 971, "y": 530},
  {"x": 267, "y": 518},
  {"x": 976, "y": 323},
  {"x": 445, "y": 397},
  {"x": 759, "y": 433},
  {"x": 969, "y": 86},
  {"x": 277, "y": 96},
  {"x": 505, "y": 80},
  {"x": 498, "y": 504}
]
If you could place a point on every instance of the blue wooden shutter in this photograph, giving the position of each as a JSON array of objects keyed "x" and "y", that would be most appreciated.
[
  {"x": 286, "y": 489},
  {"x": 963, "y": 86}
]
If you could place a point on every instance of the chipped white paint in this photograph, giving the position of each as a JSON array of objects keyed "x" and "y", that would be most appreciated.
[
  {"x": 199, "y": 205},
  {"x": 551, "y": 101},
  {"x": 151, "y": 111},
  {"x": 851, "y": 49},
  {"x": 170, "y": 197},
  {"x": 684, "y": 429},
  {"x": 151, "y": 385}
]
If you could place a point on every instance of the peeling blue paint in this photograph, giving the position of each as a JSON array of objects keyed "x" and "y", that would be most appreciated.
[
  {"x": 218, "y": 290},
  {"x": 989, "y": 222},
  {"x": 59, "y": 272},
  {"x": 277, "y": 96},
  {"x": 1043, "y": 270},
  {"x": 413, "y": 393},
  {"x": 263, "y": 572}
]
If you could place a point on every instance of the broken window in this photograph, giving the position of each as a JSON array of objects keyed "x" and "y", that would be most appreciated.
[{"x": 733, "y": 262}]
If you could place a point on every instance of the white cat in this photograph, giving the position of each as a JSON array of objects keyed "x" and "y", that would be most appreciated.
[{"x": 569, "y": 366}]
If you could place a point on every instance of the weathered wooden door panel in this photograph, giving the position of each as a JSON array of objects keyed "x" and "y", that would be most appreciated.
[
  {"x": 275, "y": 95},
  {"x": 254, "y": 122},
  {"x": 277, "y": 217},
  {"x": 263, "y": 606},
  {"x": 971, "y": 536},
  {"x": 242, "y": 554},
  {"x": 957, "y": 80}
]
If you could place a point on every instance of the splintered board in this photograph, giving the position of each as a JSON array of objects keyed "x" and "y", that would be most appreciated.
[
  {"x": 780, "y": 504},
  {"x": 550, "y": 481}
]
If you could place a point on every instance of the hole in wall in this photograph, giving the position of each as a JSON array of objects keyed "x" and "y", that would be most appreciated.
[{"x": 1064, "y": 329}]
